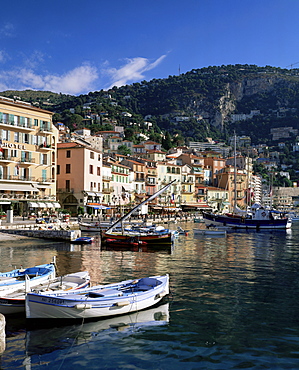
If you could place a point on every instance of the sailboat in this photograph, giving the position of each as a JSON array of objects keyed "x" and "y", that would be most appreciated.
[
  {"x": 151, "y": 234},
  {"x": 254, "y": 217}
]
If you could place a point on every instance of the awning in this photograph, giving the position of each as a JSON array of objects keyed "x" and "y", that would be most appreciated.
[
  {"x": 49, "y": 205},
  {"x": 5, "y": 202},
  {"x": 41, "y": 205},
  {"x": 56, "y": 205},
  {"x": 91, "y": 193},
  {"x": 97, "y": 206},
  {"x": 32, "y": 205},
  {"x": 40, "y": 186},
  {"x": 17, "y": 187}
]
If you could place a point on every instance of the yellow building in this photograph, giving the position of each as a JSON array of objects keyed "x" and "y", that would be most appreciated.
[{"x": 28, "y": 142}]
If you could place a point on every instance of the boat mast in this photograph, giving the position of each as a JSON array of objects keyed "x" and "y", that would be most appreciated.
[{"x": 235, "y": 173}]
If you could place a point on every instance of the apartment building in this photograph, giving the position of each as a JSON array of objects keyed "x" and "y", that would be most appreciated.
[
  {"x": 79, "y": 176},
  {"x": 28, "y": 142}
]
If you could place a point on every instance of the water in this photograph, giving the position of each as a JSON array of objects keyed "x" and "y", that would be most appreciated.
[{"x": 233, "y": 305}]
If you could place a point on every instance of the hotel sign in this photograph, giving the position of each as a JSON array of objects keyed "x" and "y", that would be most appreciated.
[{"x": 13, "y": 146}]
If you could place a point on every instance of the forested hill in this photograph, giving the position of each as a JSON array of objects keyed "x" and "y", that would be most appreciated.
[{"x": 191, "y": 106}]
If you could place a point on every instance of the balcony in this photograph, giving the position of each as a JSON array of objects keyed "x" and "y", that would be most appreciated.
[
  {"x": 44, "y": 147},
  {"x": 19, "y": 126},
  {"x": 45, "y": 180},
  {"x": 16, "y": 178},
  {"x": 45, "y": 129},
  {"x": 107, "y": 178},
  {"x": 107, "y": 190},
  {"x": 28, "y": 161},
  {"x": 8, "y": 158}
]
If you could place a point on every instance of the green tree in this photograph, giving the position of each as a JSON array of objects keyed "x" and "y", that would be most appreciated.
[{"x": 123, "y": 150}]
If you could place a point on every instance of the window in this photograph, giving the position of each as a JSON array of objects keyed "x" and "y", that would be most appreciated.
[
  {"x": 99, "y": 171},
  {"x": 91, "y": 186},
  {"x": 92, "y": 155},
  {"x": 35, "y": 122},
  {"x": 16, "y": 137},
  {"x": 91, "y": 169},
  {"x": 68, "y": 154},
  {"x": 99, "y": 157},
  {"x": 44, "y": 159},
  {"x": 67, "y": 185},
  {"x": 58, "y": 169},
  {"x": 68, "y": 168},
  {"x": 34, "y": 140},
  {"x": 44, "y": 175},
  {"x": 14, "y": 153},
  {"x": 5, "y": 135},
  {"x": 26, "y": 138}
]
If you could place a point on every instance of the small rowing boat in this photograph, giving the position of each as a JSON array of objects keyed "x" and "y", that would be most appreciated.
[
  {"x": 98, "y": 301},
  {"x": 15, "y": 302},
  {"x": 15, "y": 279}
]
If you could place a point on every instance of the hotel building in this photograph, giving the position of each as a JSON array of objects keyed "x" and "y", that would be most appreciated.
[{"x": 28, "y": 142}]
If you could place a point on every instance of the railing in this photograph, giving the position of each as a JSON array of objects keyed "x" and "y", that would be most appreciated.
[
  {"x": 107, "y": 190},
  {"x": 46, "y": 128},
  {"x": 45, "y": 146},
  {"x": 20, "y": 125},
  {"x": 28, "y": 160}
]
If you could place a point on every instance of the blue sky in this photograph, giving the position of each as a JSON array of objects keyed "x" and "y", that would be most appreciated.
[{"x": 74, "y": 47}]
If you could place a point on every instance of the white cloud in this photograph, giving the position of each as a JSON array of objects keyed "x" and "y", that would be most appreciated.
[
  {"x": 76, "y": 81},
  {"x": 7, "y": 30},
  {"x": 133, "y": 70}
]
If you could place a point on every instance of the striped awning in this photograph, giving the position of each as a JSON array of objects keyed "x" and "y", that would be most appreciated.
[{"x": 32, "y": 205}]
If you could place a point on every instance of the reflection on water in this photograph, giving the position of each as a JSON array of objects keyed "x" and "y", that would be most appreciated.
[{"x": 233, "y": 305}]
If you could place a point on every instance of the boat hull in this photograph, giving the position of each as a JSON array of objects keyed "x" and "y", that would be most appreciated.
[
  {"x": 78, "y": 306},
  {"x": 149, "y": 238},
  {"x": 245, "y": 223}
]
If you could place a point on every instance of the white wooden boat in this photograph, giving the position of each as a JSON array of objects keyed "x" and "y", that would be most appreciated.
[
  {"x": 210, "y": 232},
  {"x": 14, "y": 302},
  {"x": 99, "y": 301},
  {"x": 15, "y": 279},
  {"x": 94, "y": 226}
]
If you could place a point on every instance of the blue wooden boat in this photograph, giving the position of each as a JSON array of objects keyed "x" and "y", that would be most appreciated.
[
  {"x": 11, "y": 303},
  {"x": 32, "y": 276},
  {"x": 82, "y": 240}
]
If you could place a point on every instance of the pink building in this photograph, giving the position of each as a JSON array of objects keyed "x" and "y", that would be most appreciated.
[{"x": 79, "y": 176}]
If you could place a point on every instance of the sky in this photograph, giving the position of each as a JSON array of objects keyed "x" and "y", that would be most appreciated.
[{"x": 75, "y": 46}]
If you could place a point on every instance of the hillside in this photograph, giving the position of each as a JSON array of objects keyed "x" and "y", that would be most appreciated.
[{"x": 190, "y": 106}]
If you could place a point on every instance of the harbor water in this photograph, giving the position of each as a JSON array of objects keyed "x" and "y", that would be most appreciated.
[{"x": 233, "y": 305}]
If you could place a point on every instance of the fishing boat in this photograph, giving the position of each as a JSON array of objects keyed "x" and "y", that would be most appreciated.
[
  {"x": 14, "y": 302},
  {"x": 98, "y": 301},
  {"x": 148, "y": 234},
  {"x": 32, "y": 276},
  {"x": 257, "y": 217},
  {"x": 83, "y": 240}
]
